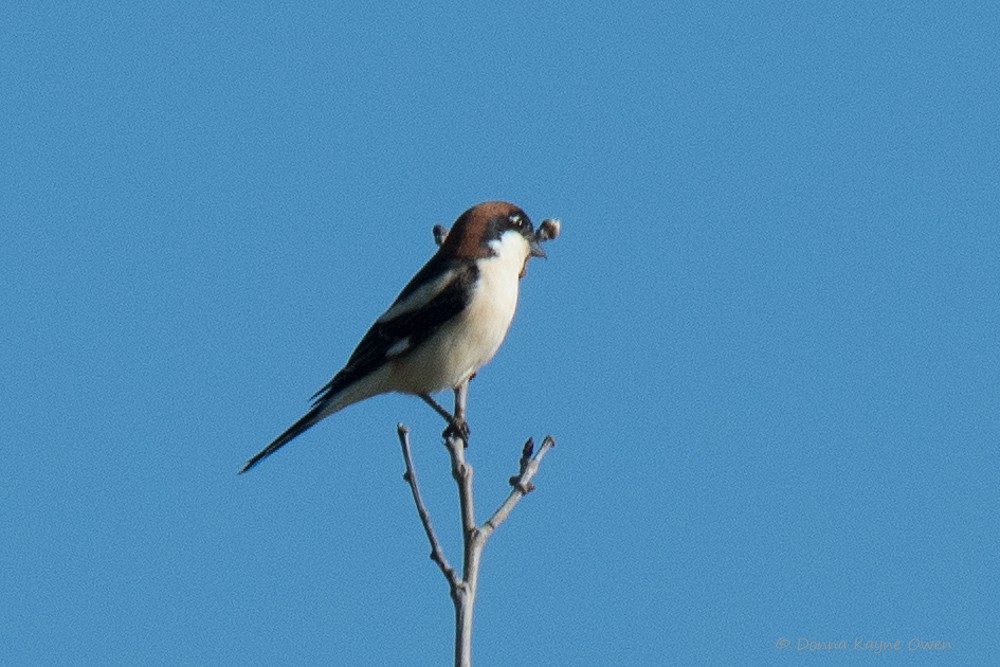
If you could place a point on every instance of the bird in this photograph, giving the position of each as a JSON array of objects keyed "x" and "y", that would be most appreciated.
[{"x": 446, "y": 323}]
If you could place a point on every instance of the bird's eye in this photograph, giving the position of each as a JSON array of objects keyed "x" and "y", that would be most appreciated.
[{"x": 516, "y": 220}]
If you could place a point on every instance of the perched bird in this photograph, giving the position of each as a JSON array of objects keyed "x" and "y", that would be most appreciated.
[{"x": 447, "y": 322}]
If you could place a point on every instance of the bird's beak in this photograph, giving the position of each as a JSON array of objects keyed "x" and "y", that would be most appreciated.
[{"x": 536, "y": 248}]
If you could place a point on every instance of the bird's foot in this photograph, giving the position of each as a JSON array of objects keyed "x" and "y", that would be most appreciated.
[{"x": 458, "y": 428}]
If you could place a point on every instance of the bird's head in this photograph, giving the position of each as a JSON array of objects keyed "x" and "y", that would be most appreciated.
[{"x": 493, "y": 228}]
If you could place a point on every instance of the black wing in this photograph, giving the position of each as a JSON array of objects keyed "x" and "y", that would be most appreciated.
[{"x": 393, "y": 338}]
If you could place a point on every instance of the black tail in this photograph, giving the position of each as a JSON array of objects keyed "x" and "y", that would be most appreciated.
[{"x": 296, "y": 429}]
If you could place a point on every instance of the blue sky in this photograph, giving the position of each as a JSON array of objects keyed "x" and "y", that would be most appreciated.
[{"x": 766, "y": 340}]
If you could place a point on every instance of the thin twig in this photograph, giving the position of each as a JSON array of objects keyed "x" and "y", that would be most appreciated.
[
  {"x": 521, "y": 484},
  {"x": 472, "y": 540},
  {"x": 437, "y": 553},
  {"x": 440, "y": 234},
  {"x": 461, "y": 470}
]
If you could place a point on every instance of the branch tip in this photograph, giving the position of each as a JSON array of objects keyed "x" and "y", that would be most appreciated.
[
  {"x": 548, "y": 229},
  {"x": 440, "y": 234},
  {"x": 410, "y": 475}
]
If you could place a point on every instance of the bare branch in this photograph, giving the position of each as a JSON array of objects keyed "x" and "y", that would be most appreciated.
[
  {"x": 456, "y": 443},
  {"x": 437, "y": 553},
  {"x": 549, "y": 229},
  {"x": 526, "y": 452},
  {"x": 463, "y": 589},
  {"x": 472, "y": 539},
  {"x": 440, "y": 233},
  {"x": 521, "y": 483}
]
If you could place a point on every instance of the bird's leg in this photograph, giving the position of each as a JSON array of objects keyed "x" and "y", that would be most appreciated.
[
  {"x": 437, "y": 407},
  {"x": 461, "y": 392},
  {"x": 456, "y": 425},
  {"x": 459, "y": 427}
]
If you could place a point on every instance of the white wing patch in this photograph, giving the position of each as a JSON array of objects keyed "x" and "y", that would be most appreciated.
[
  {"x": 398, "y": 348},
  {"x": 420, "y": 298}
]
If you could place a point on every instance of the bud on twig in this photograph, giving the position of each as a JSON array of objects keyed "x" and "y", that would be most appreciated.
[
  {"x": 440, "y": 232},
  {"x": 549, "y": 229}
]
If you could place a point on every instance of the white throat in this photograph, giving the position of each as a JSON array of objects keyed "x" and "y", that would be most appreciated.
[{"x": 511, "y": 251}]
